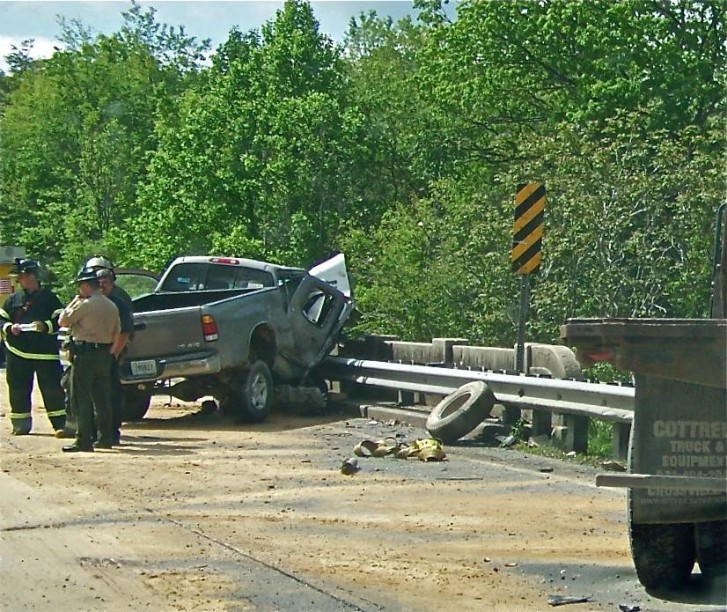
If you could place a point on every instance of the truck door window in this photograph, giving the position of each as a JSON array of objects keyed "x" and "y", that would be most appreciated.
[{"x": 317, "y": 307}]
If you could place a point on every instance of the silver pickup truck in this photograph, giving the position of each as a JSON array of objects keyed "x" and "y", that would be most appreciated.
[{"x": 231, "y": 328}]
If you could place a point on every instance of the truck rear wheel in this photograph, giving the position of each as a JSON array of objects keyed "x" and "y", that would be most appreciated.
[
  {"x": 253, "y": 396},
  {"x": 712, "y": 549},
  {"x": 663, "y": 554},
  {"x": 135, "y": 405}
]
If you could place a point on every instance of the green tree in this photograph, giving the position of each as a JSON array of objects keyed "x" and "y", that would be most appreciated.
[
  {"x": 76, "y": 133},
  {"x": 264, "y": 163}
]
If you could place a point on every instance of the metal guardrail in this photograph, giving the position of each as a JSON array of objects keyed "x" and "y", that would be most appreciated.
[{"x": 601, "y": 401}]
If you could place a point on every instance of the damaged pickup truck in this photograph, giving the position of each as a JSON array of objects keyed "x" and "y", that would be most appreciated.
[{"x": 232, "y": 328}]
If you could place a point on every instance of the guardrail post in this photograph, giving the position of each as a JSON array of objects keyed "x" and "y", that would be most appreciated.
[
  {"x": 620, "y": 438},
  {"x": 542, "y": 423},
  {"x": 572, "y": 435}
]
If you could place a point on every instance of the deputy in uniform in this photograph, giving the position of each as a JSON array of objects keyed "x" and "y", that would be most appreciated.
[
  {"x": 107, "y": 280},
  {"x": 29, "y": 331},
  {"x": 94, "y": 325}
]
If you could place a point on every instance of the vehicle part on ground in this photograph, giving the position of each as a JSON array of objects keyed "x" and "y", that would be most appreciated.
[
  {"x": 460, "y": 412},
  {"x": 135, "y": 405}
]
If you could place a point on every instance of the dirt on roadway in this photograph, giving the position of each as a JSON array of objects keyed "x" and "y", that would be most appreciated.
[{"x": 195, "y": 512}]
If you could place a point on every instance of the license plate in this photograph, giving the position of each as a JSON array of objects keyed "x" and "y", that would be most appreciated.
[{"x": 147, "y": 367}]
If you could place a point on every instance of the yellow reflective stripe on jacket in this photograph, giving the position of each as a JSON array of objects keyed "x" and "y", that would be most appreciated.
[
  {"x": 56, "y": 413},
  {"x": 4, "y": 314},
  {"x": 49, "y": 326},
  {"x": 24, "y": 355},
  {"x": 20, "y": 415}
]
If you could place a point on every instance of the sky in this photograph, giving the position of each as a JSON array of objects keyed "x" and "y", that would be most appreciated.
[{"x": 201, "y": 19}]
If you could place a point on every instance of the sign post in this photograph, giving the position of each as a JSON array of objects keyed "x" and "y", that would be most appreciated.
[{"x": 527, "y": 237}]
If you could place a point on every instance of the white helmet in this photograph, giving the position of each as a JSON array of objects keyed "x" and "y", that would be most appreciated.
[{"x": 99, "y": 261}]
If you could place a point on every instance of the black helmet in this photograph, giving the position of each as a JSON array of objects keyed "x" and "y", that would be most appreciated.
[
  {"x": 86, "y": 275},
  {"x": 25, "y": 266}
]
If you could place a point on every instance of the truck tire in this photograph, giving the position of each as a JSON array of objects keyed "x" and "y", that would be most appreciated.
[
  {"x": 663, "y": 554},
  {"x": 135, "y": 405},
  {"x": 256, "y": 393},
  {"x": 460, "y": 412},
  {"x": 712, "y": 549}
]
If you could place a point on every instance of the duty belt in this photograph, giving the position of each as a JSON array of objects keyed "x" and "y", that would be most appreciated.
[{"x": 82, "y": 346}]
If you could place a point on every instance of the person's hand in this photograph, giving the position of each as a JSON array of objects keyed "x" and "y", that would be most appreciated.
[
  {"x": 40, "y": 326},
  {"x": 15, "y": 329}
]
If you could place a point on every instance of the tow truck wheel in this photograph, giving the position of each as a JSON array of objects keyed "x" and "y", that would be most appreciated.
[
  {"x": 663, "y": 554},
  {"x": 256, "y": 393},
  {"x": 712, "y": 549}
]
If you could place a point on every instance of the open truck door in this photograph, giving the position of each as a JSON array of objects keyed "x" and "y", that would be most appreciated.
[{"x": 316, "y": 315}]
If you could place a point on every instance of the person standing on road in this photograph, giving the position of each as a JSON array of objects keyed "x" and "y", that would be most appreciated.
[
  {"x": 107, "y": 282},
  {"x": 99, "y": 262},
  {"x": 29, "y": 331},
  {"x": 94, "y": 325},
  {"x": 118, "y": 296}
]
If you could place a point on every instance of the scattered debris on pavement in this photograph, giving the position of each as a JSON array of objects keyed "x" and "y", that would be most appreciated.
[
  {"x": 350, "y": 467},
  {"x": 562, "y": 600},
  {"x": 425, "y": 449}
]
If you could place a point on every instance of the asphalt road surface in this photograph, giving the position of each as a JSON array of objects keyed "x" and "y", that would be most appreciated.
[{"x": 195, "y": 512}]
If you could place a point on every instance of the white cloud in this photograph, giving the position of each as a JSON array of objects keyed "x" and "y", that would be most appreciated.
[{"x": 43, "y": 47}]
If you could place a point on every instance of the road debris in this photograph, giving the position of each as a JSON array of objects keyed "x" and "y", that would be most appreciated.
[
  {"x": 613, "y": 466},
  {"x": 562, "y": 600},
  {"x": 350, "y": 467},
  {"x": 509, "y": 441},
  {"x": 425, "y": 449}
]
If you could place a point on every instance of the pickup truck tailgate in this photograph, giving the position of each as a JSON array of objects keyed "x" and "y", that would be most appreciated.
[{"x": 167, "y": 332}]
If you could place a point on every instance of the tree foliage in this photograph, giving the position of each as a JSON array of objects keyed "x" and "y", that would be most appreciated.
[{"x": 401, "y": 146}]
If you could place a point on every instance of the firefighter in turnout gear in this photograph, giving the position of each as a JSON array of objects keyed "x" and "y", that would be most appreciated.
[{"x": 29, "y": 332}]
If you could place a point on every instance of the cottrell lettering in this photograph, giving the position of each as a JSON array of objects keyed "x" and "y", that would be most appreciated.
[{"x": 690, "y": 429}]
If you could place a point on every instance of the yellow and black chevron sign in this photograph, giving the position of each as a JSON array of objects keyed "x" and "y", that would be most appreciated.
[{"x": 527, "y": 235}]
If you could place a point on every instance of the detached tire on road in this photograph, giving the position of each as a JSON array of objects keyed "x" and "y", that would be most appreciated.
[
  {"x": 460, "y": 412},
  {"x": 135, "y": 405}
]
